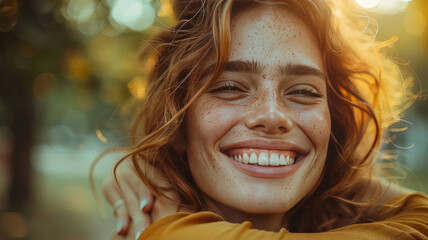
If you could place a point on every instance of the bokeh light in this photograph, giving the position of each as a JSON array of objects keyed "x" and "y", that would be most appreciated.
[
  {"x": 137, "y": 87},
  {"x": 8, "y": 15},
  {"x": 384, "y": 6},
  {"x": 137, "y": 15},
  {"x": 101, "y": 136},
  {"x": 92, "y": 26},
  {"x": 43, "y": 6},
  {"x": 80, "y": 10},
  {"x": 76, "y": 65},
  {"x": 43, "y": 84},
  {"x": 166, "y": 9},
  {"x": 15, "y": 224}
]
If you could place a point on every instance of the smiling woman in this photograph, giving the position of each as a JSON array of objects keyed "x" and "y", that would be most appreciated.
[
  {"x": 266, "y": 105},
  {"x": 271, "y": 115}
]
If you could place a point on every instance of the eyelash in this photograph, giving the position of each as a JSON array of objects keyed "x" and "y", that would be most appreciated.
[
  {"x": 306, "y": 91},
  {"x": 227, "y": 87},
  {"x": 232, "y": 87}
]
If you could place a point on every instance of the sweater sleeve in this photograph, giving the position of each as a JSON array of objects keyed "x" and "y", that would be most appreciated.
[{"x": 403, "y": 217}]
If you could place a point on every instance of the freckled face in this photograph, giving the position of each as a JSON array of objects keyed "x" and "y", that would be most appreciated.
[{"x": 277, "y": 111}]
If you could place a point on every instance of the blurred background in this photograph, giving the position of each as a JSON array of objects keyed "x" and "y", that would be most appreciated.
[{"x": 69, "y": 79}]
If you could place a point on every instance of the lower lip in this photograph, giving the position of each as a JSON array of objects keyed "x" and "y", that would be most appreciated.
[{"x": 258, "y": 171}]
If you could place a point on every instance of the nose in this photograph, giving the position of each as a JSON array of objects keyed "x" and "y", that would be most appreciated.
[{"x": 269, "y": 117}]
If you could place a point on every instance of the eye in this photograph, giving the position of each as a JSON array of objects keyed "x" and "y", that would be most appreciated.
[
  {"x": 305, "y": 91},
  {"x": 229, "y": 90},
  {"x": 227, "y": 87}
]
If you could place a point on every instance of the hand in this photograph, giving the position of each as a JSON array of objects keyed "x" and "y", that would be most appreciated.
[
  {"x": 134, "y": 205},
  {"x": 133, "y": 202}
]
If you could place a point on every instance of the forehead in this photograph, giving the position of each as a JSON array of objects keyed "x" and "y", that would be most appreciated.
[{"x": 272, "y": 36}]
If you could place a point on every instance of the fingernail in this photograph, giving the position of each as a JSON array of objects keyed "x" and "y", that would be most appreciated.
[
  {"x": 120, "y": 226},
  {"x": 137, "y": 235},
  {"x": 143, "y": 203}
]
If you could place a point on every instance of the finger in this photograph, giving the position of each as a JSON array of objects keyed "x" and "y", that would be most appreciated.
[
  {"x": 123, "y": 222},
  {"x": 139, "y": 219},
  {"x": 146, "y": 203},
  {"x": 144, "y": 195},
  {"x": 136, "y": 232},
  {"x": 114, "y": 197}
]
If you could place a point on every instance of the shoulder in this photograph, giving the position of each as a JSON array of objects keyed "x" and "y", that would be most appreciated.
[
  {"x": 381, "y": 192},
  {"x": 409, "y": 205},
  {"x": 392, "y": 199}
]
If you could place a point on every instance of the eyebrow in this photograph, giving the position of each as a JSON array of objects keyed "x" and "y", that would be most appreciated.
[
  {"x": 255, "y": 67},
  {"x": 300, "y": 70}
]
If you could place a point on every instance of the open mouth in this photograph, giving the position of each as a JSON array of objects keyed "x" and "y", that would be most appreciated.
[{"x": 263, "y": 157}]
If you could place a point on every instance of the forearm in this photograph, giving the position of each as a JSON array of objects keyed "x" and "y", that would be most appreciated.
[{"x": 409, "y": 220}]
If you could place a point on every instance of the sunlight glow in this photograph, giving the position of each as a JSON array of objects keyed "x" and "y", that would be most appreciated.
[
  {"x": 368, "y": 3},
  {"x": 415, "y": 22},
  {"x": 389, "y": 7}
]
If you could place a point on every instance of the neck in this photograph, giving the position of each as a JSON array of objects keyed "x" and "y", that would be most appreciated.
[{"x": 268, "y": 222}]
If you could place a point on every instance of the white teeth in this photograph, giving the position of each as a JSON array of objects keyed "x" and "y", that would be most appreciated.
[
  {"x": 287, "y": 160},
  {"x": 282, "y": 160},
  {"x": 263, "y": 159},
  {"x": 245, "y": 158},
  {"x": 291, "y": 161},
  {"x": 253, "y": 158},
  {"x": 274, "y": 160}
]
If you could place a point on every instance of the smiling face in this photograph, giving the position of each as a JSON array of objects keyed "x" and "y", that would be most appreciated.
[{"x": 257, "y": 139}]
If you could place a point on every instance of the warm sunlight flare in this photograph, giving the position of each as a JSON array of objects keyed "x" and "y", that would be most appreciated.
[
  {"x": 384, "y": 6},
  {"x": 368, "y": 3}
]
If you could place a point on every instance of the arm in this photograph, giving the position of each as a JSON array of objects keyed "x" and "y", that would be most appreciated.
[{"x": 407, "y": 220}]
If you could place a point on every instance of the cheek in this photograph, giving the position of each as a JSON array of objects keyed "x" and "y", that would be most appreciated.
[
  {"x": 206, "y": 122},
  {"x": 316, "y": 124}
]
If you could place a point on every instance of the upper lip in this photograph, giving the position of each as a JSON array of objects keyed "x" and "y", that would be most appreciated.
[{"x": 265, "y": 144}]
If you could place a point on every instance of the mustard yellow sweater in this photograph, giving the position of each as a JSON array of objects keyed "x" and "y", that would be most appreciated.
[{"x": 409, "y": 220}]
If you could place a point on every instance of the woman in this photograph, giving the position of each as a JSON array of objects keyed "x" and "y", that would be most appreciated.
[{"x": 272, "y": 114}]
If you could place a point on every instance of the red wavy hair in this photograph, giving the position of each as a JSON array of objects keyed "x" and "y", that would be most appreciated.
[{"x": 365, "y": 96}]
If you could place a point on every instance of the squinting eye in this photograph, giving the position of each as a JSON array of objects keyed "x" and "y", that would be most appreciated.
[
  {"x": 305, "y": 92},
  {"x": 227, "y": 87}
]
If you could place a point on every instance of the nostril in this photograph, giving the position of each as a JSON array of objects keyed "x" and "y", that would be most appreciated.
[
  {"x": 259, "y": 127},
  {"x": 283, "y": 129}
]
